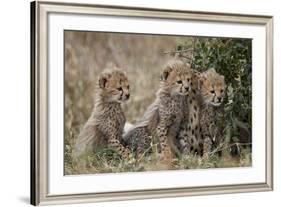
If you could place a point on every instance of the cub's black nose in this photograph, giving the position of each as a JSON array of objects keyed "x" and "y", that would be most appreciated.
[
  {"x": 186, "y": 88},
  {"x": 219, "y": 99},
  {"x": 127, "y": 96}
]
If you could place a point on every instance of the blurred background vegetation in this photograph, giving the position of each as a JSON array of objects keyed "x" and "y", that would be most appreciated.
[{"x": 143, "y": 56}]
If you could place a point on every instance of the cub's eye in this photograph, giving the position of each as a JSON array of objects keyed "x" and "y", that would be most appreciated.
[
  {"x": 188, "y": 79},
  {"x": 221, "y": 90},
  {"x": 212, "y": 91},
  {"x": 119, "y": 89},
  {"x": 179, "y": 82}
]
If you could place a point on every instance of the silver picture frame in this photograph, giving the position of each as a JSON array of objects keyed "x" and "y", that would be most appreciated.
[{"x": 39, "y": 100}]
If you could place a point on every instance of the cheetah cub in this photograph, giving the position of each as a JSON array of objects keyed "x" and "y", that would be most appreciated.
[
  {"x": 212, "y": 88},
  {"x": 164, "y": 116},
  {"x": 188, "y": 137},
  {"x": 200, "y": 133},
  {"x": 106, "y": 123}
]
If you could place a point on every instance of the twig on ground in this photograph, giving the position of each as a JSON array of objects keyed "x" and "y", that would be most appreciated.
[
  {"x": 178, "y": 51},
  {"x": 227, "y": 147}
]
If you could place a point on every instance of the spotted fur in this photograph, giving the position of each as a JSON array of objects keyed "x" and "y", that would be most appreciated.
[
  {"x": 106, "y": 123},
  {"x": 212, "y": 88},
  {"x": 164, "y": 116},
  {"x": 200, "y": 133}
]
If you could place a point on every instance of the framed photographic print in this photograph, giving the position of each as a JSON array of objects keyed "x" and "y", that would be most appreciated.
[{"x": 135, "y": 103}]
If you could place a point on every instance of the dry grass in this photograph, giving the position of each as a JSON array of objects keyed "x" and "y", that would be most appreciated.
[{"x": 142, "y": 56}]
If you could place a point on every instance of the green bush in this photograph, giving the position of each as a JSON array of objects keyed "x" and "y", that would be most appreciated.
[{"x": 233, "y": 59}]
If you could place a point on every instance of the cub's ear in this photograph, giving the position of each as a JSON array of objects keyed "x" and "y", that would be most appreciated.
[
  {"x": 212, "y": 70},
  {"x": 222, "y": 79},
  {"x": 165, "y": 73},
  {"x": 202, "y": 78},
  {"x": 103, "y": 80}
]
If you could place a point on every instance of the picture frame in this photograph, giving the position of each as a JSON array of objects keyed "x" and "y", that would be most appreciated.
[{"x": 42, "y": 174}]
